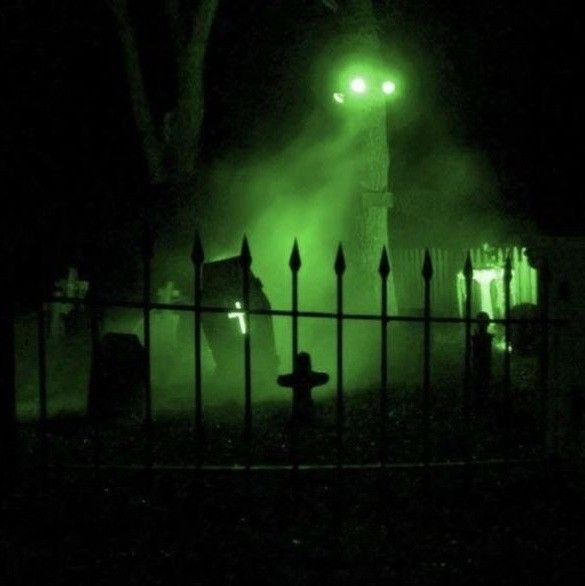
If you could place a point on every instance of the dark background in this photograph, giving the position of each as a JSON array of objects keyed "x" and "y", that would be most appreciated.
[{"x": 505, "y": 74}]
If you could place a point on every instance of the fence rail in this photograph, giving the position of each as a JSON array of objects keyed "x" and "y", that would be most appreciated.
[{"x": 384, "y": 318}]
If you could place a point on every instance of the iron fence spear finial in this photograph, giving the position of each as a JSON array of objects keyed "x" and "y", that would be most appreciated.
[
  {"x": 197, "y": 253},
  {"x": 245, "y": 256},
  {"x": 384, "y": 266},
  {"x": 340, "y": 261},
  {"x": 295, "y": 258},
  {"x": 468, "y": 268},
  {"x": 427, "y": 270}
]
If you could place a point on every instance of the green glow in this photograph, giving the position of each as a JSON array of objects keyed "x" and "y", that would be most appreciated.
[
  {"x": 485, "y": 278},
  {"x": 358, "y": 85},
  {"x": 501, "y": 346},
  {"x": 388, "y": 87},
  {"x": 240, "y": 316},
  {"x": 339, "y": 97}
]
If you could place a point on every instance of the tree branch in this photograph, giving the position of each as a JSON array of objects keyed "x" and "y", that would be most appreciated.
[
  {"x": 142, "y": 113},
  {"x": 172, "y": 10}
]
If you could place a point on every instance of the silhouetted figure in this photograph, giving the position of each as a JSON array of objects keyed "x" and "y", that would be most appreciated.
[
  {"x": 302, "y": 381},
  {"x": 481, "y": 358}
]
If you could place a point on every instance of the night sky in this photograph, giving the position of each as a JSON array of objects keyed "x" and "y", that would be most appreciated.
[{"x": 504, "y": 74}]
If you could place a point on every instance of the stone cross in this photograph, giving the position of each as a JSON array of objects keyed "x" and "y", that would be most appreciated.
[
  {"x": 168, "y": 293},
  {"x": 71, "y": 287},
  {"x": 302, "y": 380}
]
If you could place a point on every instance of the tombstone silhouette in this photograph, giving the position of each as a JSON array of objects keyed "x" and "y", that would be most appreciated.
[
  {"x": 117, "y": 378},
  {"x": 222, "y": 287},
  {"x": 302, "y": 381}
]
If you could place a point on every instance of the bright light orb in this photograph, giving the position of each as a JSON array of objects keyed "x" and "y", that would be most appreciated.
[
  {"x": 358, "y": 85},
  {"x": 339, "y": 97},
  {"x": 388, "y": 87}
]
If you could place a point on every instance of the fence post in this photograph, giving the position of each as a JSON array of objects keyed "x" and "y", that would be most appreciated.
[
  {"x": 427, "y": 273},
  {"x": 544, "y": 302},
  {"x": 507, "y": 373},
  {"x": 295, "y": 265},
  {"x": 42, "y": 359},
  {"x": 339, "y": 271},
  {"x": 468, "y": 274},
  {"x": 8, "y": 423},
  {"x": 198, "y": 257},
  {"x": 246, "y": 263},
  {"x": 147, "y": 256},
  {"x": 95, "y": 340},
  {"x": 384, "y": 271}
]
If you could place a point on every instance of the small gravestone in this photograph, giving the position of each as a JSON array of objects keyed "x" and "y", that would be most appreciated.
[
  {"x": 66, "y": 318},
  {"x": 226, "y": 332},
  {"x": 164, "y": 323},
  {"x": 117, "y": 378},
  {"x": 302, "y": 380}
]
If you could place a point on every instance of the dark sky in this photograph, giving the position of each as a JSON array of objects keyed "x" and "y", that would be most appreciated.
[{"x": 505, "y": 74}]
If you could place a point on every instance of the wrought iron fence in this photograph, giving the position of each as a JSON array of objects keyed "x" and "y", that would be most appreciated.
[{"x": 383, "y": 318}]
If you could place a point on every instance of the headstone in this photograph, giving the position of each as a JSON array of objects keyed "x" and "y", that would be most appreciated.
[
  {"x": 165, "y": 322},
  {"x": 302, "y": 380},
  {"x": 164, "y": 326},
  {"x": 222, "y": 287},
  {"x": 64, "y": 318},
  {"x": 117, "y": 378}
]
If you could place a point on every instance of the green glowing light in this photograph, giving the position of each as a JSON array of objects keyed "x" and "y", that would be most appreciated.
[
  {"x": 388, "y": 87},
  {"x": 485, "y": 278},
  {"x": 339, "y": 97},
  {"x": 501, "y": 346},
  {"x": 358, "y": 85},
  {"x": 240, "y": 317}
]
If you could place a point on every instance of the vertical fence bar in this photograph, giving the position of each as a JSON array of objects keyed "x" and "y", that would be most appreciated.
[
  {"x": 544, "y": 303},
  {"x": 507, "y": 373},
  {"x": 340, "y": 408},
  {"x": 147, "y": 255},
  {"x": 42, "y": 358},
  {"x": 427, "y": 273},
  {"x": 384, "y": 271},
  {"x": 468, "y": 274},
  {"x": 245, "y": 263},
  {"x": 295, "y": 265},
  {"x": 467, "y": 382},
  {"x": 95, "y": 340},
  {"x": 8, "y": 422},
  {"x": 198, "y": 257}
]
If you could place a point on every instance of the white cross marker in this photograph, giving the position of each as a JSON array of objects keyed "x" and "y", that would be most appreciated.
[{"x": 240, "y": 315}]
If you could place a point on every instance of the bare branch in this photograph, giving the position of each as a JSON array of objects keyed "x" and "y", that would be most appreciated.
[
  {"x": 172, "y": 10},
  {"x": 138, "y": 98}
]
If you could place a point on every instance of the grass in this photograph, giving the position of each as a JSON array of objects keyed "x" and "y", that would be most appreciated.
[{"x": 480, "y": 526}]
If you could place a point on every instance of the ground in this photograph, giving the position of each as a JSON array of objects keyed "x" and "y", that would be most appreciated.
[
  {"x": 483, "y": 524},
  {"x": 230, "y": 529}
]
